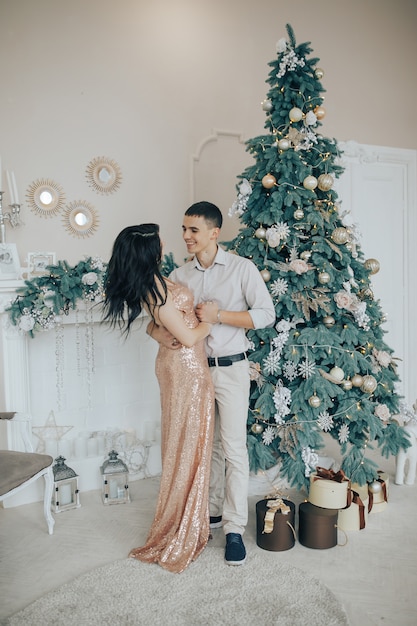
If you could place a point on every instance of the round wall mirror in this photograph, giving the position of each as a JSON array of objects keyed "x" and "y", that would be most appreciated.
[
  {"x": 45, "y": 197},
  {"x": 80, "y": 219},
  {"x": 103, "y": 175}
]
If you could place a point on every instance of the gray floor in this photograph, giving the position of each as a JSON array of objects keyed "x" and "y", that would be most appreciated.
[{"x": 374, "y": 575}]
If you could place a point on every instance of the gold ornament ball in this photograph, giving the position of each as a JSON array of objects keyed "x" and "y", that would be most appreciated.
[
  {"x": 357, "y": 380},
  {"x": 295, "y": 114},
  {"x": 320, "y": 112},
  {"x": 305, "y": 255},
  {"x": 266, "y": 275},
  {"x": 369, "y": 384},
  {"x": 257, "y": 428},
  {"x": 324, "y": 278},
  {"x": 314, "y": 401},
  {"x": 310, "y": 182},
  {"x": 298, "y": 214},
  {"x": 375, "y": 487},
  {"x": 340, "y": 235},
  {"x": 284, "y": 144},
  {"x": 325, "y": 182},
  {"x": 366, "y": 293},
  {"x": 267, "y": 105},
  {"x": 268, "y": 181},
  {"x": 318, "y": 73},
  {"x": 337, "y": 373},
  {"x": 260, "y": 233},
  {"x": 347, "y": 384},
  {"x": 329, "y": 321},
  {"x": 372, "y": 265}
]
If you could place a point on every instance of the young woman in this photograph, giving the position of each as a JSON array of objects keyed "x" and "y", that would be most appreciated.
[{"x": 134, "y": 283}]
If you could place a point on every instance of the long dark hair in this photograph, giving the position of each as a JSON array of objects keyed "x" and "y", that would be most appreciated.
[{"x": 133, "y": 277}]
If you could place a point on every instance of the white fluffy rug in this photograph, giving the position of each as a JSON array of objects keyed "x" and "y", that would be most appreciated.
[{"x": 209, "y": 593}]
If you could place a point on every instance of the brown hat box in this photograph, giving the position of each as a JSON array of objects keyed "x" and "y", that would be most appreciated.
[
  {"x": 282, "y": 535},
  {"x": 317, "y": 527}
]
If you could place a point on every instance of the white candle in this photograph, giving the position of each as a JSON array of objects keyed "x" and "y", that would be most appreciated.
[
  {"x": 80, "y": 446},
  {"x": 65, "y": 494},
  {"x": 113, "y": 489},
  {"x": 9, "y": 184},
  {"x": 16, "y": 198}
]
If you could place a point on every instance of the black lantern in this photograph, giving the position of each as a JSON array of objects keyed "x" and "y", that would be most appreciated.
[
  {"x": 66, "y": 494},
  {"x": 115, "y": 480}
]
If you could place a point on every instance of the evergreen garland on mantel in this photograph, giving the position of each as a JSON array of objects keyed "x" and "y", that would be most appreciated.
[{"x": 41, "y": 302}]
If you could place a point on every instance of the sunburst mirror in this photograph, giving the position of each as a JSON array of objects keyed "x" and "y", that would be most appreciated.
[
  {"x": 103, "y": 175},
  {"x": 45, "y": 197},
  {"x": 80, "y": 219}
]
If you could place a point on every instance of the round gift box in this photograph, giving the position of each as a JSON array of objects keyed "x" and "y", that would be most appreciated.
[
  {"x": 349, "y": 518},
  {"x": 317, "y": 527},
  {"x": 282, "y": 535},
  {"x": 328, "y": 494}
]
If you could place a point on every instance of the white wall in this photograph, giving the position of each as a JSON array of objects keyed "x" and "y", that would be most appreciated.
[{"x": 144, "y": 81}]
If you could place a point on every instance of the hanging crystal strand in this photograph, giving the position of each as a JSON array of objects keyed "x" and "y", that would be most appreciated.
[
  {"x": 89, "y": 347},
  {"x": 78, "y": 341},
  {"x": 59, "y": 363}
]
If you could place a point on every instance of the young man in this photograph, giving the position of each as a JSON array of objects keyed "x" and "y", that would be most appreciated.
[{"x": 229, "y": 293}]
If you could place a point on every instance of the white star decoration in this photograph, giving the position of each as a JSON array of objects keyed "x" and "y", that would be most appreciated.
[{"x": 49, "y": 431}]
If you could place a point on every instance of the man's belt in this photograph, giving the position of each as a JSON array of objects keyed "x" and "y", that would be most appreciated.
[{"x": 225, "y": 361}]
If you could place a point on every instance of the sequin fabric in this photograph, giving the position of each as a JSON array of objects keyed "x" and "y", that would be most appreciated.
[{"x": 180, "y": 529}]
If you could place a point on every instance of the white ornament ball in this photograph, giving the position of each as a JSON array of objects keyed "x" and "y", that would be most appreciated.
[
  {"x": 298, "y": 214},
  {"x": 347, "y": 385},
  {"x": 337, "y": 373},
  {"x": 284, "y": 144},
  {"x": 357, "y": 380},
  {"x": 324, "y": 278},
  {"x": 310, "y": 182},
  {"x": 318, "y": 73},
  {"x": 329, "y": 321},
  {"x": 295, "y": 114},
  {"x": 314, "y": 401},
  {"x": 260, "y": 233},
  {"x": 375, "y": 487},
  {"x": 266, "y": 275},
  {"x": 267, "y": 105}
]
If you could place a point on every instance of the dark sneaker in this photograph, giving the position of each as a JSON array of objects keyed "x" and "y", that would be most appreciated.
[
  {"x": 216, "y": 522},
  {"x": 235, "y": 550}
]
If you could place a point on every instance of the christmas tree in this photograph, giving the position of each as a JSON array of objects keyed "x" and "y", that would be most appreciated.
[{"x": 324, "y": 367}]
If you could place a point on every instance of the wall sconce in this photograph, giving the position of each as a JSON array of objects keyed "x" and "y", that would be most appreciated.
[
  {"x": 66, "y": 494},
  {"x": 115, "y": 480}
]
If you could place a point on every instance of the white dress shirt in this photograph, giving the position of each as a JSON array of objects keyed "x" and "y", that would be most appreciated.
[{"x": 235, "y": 283}]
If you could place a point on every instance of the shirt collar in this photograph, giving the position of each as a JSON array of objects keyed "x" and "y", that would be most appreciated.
[{"x": 219, "y": 259}]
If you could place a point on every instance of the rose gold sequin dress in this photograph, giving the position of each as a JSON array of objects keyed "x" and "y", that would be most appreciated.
[{"x": 180, "y": 529}]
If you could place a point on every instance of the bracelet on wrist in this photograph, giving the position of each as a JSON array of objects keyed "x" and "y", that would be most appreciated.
[{"x": 218, "y": 317}]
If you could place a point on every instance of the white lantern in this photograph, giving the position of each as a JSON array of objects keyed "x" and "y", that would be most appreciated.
[
  {"x": 66, "y": 494},
  {"x": 115, "y": 488}
]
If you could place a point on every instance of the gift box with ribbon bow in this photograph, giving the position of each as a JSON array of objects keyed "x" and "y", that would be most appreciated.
[
  {"x": 275, "y": 524},
  {"x": 354, "y": 516},
  {"x": 329, "y": 489}
]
